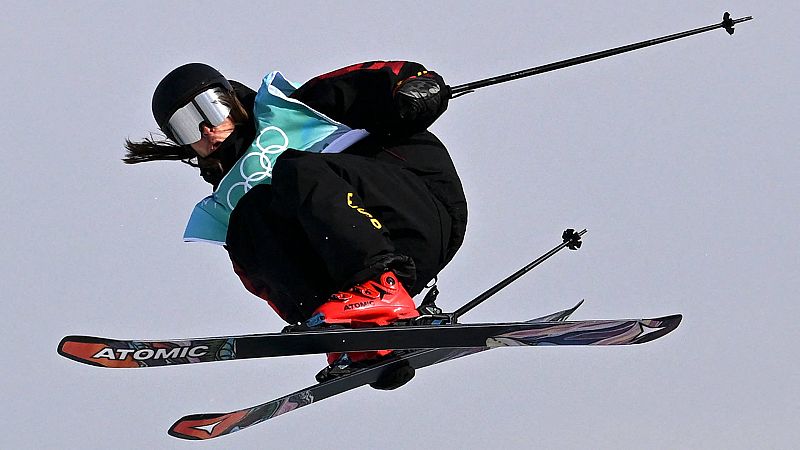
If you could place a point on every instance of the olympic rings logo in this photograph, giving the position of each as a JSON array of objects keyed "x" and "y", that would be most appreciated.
[{"x": 263, "y": 160}]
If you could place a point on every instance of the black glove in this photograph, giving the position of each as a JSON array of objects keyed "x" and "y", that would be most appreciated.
[{"x": 419, "y": 100}]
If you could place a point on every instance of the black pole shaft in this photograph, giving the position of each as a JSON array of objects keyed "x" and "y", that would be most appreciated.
[
  {"x": 727, "y": 23},
  {"x": 510, "y": 279}
]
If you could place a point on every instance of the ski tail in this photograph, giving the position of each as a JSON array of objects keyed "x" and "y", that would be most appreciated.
[
  {"x": 559, "y": 316},
  {"x": 655, "y": 328},
  {"x": 589, "y": 332}
]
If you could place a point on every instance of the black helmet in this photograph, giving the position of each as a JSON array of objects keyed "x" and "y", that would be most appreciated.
[{"x": 179, "y": 87}]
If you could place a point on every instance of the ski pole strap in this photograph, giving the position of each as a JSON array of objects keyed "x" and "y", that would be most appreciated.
[
  {"x": 727, "y": 23},
  {"x": 570, "y": 239}
]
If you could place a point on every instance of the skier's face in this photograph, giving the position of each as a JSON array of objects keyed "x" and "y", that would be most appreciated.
[{"x": 212, "y": 137}]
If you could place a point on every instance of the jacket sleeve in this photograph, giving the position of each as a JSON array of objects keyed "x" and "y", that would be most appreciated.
[{"x": 362, "y": 96}]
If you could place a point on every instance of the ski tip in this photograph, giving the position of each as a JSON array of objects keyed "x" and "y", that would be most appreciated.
[
  {"x": 61, "y": 343},
  {"x": 92, "y": 351},
  {"x": 68, "y": 339},
  {"x": 205, "y": 426},
  {"x": 72, "y": 347}
]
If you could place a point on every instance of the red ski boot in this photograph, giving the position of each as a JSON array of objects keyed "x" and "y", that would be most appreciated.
[{"x": 372, "y": 303}]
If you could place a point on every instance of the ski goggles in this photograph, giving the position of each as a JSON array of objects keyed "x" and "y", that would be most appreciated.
[{"x": 205, "y": 107}]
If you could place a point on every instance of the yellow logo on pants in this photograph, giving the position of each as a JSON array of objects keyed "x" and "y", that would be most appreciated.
[{"x": 372, "y": 219}]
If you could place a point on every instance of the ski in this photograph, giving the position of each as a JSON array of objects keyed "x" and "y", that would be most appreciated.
[
  {"x": 207, "y": 426},
  {"x": 116, "y": 353},
  {"x": 417, "y": 346},
  {"x": 134, "y": 353}
]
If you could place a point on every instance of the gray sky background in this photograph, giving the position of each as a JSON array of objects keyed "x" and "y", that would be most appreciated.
[{"x": 681, "y": 160}]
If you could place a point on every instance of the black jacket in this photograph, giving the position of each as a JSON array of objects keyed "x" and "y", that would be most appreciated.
[{"x": 360, "y": 96}]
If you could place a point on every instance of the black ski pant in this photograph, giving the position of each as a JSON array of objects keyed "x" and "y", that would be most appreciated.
[{"x": 329, "y": 221}]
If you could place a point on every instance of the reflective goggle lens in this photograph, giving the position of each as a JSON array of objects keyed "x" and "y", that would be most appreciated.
[{"x": 205, "y": 107}]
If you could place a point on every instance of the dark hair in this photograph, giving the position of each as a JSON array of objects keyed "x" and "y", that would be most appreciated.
[{"x": 161, "y": 148}]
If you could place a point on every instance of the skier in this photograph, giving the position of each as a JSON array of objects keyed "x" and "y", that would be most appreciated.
[{"x": 334, "y": 202}]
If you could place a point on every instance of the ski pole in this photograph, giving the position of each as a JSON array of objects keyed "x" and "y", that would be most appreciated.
[
  {"x": 727, "y": 23},
  {"x": 571, "y": 239}
]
